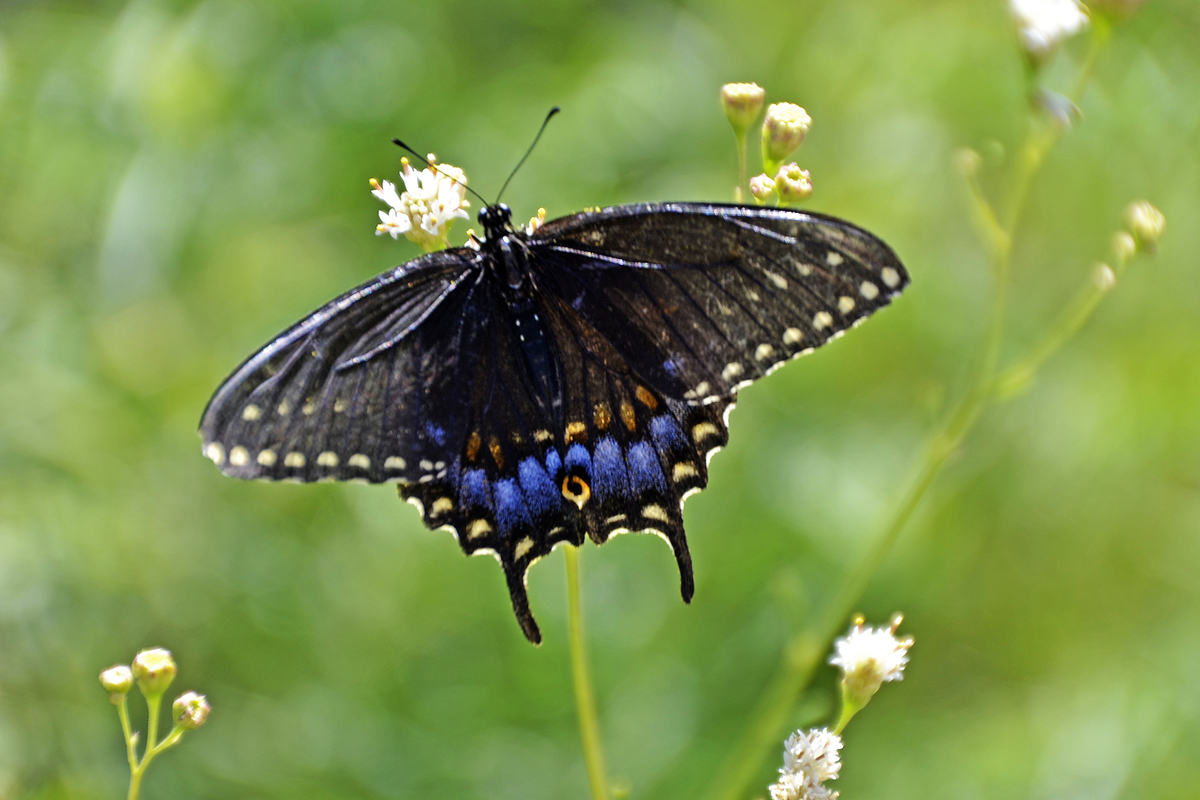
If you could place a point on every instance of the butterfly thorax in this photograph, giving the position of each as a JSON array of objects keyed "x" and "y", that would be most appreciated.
[{"x": 508, "y": 260}]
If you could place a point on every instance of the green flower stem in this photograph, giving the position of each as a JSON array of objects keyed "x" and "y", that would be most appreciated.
[
  {"x": 130, "y": 736},
  {"x": 990, "y": 229},
  {"x": 805, "y": 650},
  {"x": 849, "y": 709},
  {"x": 153, "y": 747},
  {"x": 589, "y": 728},
  {"x": 802, "y": 655},
  {"x": 152, "y": 704},
  {"x": 1017, "y": 377},
  {"x": 739, "y": 191},
  {"x": 1102, "y": 28}
]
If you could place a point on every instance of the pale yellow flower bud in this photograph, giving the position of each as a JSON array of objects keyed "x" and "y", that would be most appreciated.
[
  {"x": 793, "y": 184},
  {"x": 968, "y": 161},
  {"x": 190, "y": 710},
  {"x": 762, "y": 187},
  {"x": 742, "y": 103},
  {"x": 1124, "y": 245},
  {"x": 117, "y": 681},
  {"x": 1146, "y": 223},
  {"x": 784, "y": 128},
  {"x": 154, "y": 670}
]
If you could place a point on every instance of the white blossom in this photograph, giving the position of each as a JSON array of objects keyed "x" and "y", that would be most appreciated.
[
  {"x": 796, "y": 787},
  {"x": 432, "y": 199},
  {"x": 809, "y": 759},
  {"x": 870, "y": 656},
  {"x": 1042, "y": 24},
  {"x": 814, "y": 753}
]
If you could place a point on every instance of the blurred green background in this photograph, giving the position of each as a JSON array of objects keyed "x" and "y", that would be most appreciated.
[{"x": 180, "y": 180}]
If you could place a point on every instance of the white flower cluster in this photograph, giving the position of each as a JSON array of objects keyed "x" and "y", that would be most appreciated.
[
  {"x": 874, "y": 653},
  {"x": 432, "y": 199},
  {"x": 1042, "y": 24},
  {"x": 809, "y": 759}
]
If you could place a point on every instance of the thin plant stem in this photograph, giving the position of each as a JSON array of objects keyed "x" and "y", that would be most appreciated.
[
  {"x": 1102, "y": 28},
  {"x": 135, "y": 783},
  {"x": 1017, "y": 376},
  {"x": 136, "y": 773},
  {"x": 805, "y": 650},
  {"x": 739, "y": 191},
  {"x": 130, "y": 737},
  {"x": 585, "y": 702},
  {"x": 152, "y": 705}
]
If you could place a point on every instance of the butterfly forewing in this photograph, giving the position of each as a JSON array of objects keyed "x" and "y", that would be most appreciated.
[
  {"x": 351, "y": 392},
  {"x": 586, "y": 401},
  {"x": 712, "y": 297}
]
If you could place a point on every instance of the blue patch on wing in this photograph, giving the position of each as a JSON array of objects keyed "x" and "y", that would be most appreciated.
[
  {"x": 609, "y": 479},
  {"x": 511, "y": 512},
  {"x": 554, "y": 465},
  {"x": 644, "y": 470},
  {"x": 541, "y": 494},
  {"x": 436, "y": 432},
  {"x": 667, "y": 435},
  {"x": 579, "y": 459},
  {"x": 473, "y": 494}
]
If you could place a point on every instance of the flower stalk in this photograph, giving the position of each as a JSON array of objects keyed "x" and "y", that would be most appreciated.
[
  {"x": 802, "y": 653},
  {"x": 153, "y": 671},
  {"x": 742, "y": 103},
  {"x": 585, "y": 700}
]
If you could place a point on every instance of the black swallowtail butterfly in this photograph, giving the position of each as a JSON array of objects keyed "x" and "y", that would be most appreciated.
[{"x": 550, "y": 384}]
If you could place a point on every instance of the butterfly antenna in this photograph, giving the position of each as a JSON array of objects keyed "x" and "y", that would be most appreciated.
[
  {"x": 545, "y": 122},
  {"x": 436, "y": 169}
]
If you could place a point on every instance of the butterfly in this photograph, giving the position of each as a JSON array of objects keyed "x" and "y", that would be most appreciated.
[{"x": 546, "y": 385}]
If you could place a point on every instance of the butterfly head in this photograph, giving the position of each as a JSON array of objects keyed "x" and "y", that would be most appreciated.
[{"x": 496, "y": 220}]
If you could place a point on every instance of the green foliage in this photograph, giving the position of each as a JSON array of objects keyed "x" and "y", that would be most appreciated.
[{"x": 181, "y": 180}]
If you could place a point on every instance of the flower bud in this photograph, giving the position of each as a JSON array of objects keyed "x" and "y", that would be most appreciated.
[
  {"x": 762, "y": 188},
  {"x": 1124, "y": 246},
  {"x": 154, "y": 671},
  {"x": 793, "y": 184},
  {"x": 190, "y": 710},
  {"x": 742, "y": 103},
  {"x": 117, "y": 681},
  {"x": 968, "y": 161},
  {"x": 1104, "y": 277},
  {"x": 1146, "y": 223},
  {"x": 784, "y": 129}
]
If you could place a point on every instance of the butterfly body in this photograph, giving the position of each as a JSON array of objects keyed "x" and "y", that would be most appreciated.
[{"x": 551, "y": 384}]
